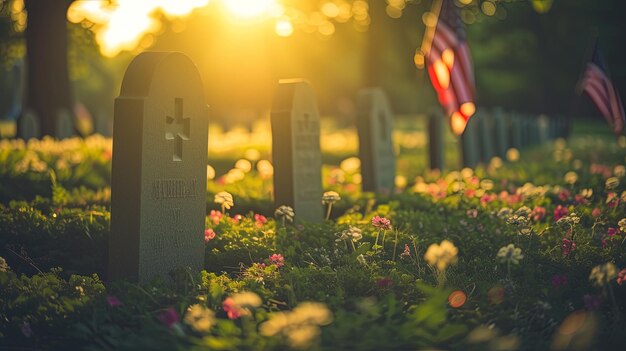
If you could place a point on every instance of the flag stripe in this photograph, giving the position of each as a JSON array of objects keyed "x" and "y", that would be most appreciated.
[{"x": 604, "y": 95}]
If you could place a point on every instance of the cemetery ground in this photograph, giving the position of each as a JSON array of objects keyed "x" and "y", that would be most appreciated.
[{"x": 520, "y": 253}]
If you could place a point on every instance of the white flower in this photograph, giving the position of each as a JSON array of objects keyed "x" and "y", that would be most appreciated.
[
  {"x": 330, "y": 197},
  {"x": 225, "y": 199},
  {"x": 4, "y": 266},
  {"x": 285, "y": 212},
  {"x": 510, "y": 254}
]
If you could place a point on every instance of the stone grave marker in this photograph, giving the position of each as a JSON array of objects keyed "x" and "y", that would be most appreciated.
[
  {"x": 436, "y": 139},
  {"x": 375, "y": 129},
  {"x": 64, "y": 127},
  {"x": 485, "y": 126},
  {"x": 501, "y": 124},
  {"x": 515, "y": 130},
  {"x": 158, "y": 180},
  {"x": 470, "y": 148},
  {"x": 29, "y": 125},
  {"x": 296, "y": 149}
]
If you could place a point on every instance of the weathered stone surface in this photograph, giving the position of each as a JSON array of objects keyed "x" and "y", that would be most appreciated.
[
  {"x": 296, "y": 149},
  {"x": 29, "y": 125},
  {"x": 64, "y": 125},
  {"x": 158, "y": 200},
  {"x": 436, "y": 140},
  {"x": 375, "y": 129}
]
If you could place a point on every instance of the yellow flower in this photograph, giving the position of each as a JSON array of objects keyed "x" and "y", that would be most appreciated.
[
  {"x": 602, "y": 274},
  {"x": 200, "y": 318},
  {"x": 612, "y": 183},
  {"x": 300, "y": 326},
  {"x": 225, "y": 199},
  {"x": 441, "y": 255},
  {"x": 330, "y": 197},
  {"x": 571, "y": 177}
]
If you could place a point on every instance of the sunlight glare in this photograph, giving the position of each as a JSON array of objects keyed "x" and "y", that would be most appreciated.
[{"x": 249, "y": 9}]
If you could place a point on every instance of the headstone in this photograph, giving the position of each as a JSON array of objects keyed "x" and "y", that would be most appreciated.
[
  {"x": 375, "y": 129},
  {"x": 501, "y": 123},
  {"x": 486, "y": 130},
  {"x": 64, "y": 127},
  {"x": 296, "y": 151},
  {"x": 29, "y": 125},
  {"x": 516, "y": 131},
  {"x": 543, "y": 129},
  {"x": 436, "y": 139},
  {"x": 469, "y": 144},
  {"x": 158, "y": 179}
]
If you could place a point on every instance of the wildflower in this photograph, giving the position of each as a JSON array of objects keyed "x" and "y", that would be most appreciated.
[
  {"x": 568, "y": 246},
  {"x": 559, "y": 212},
  {"x": 236, "y": 218},
  {"x": 352, "y": 233},
  {"x": 441, "y": 255},
  {"x": 200, "y": 318},
  {"x": 538, "y": 213},
  {"x": 510, "y": 254},
  {"x": 300, "y": 326},
  {"x": 169, "y": 317},
  {"x": 619, "y": 171},
  {"x": 571, "y": 177},
  {"x": 4, "y": 266},
  {"x": 224, "y": 199},
  {"x": 612, "y": 200},
  {"x": 559, "y": 280},
  {"x": 603, "y": 274},
  {"x": 215, "y": 216},
  {"x": 361, "y": 259},
  {"x": 586, "y": 193},
  {"x": 621, "y": 277},
  {"x": 329, "y": 198},
  {"x": 381, "y": 223},
  {"x": 385, "y": 282},
  {"x": 611, "y": 183},
  {"x": 622, "y": 225},
  {"x": 592, "y": 302},
  {"x": 596, "y": 212},
  {"x": 611, "y": 232},
  {"x": 570, "y": 219},
  {"x": 407, "y": 251},
  {"x": 505, "y": 212},
  {"x": 277, "y": 259},
  {"x": 240, "y": 304},
  {"x": 259, "y": 220},
  {"x": 209, "y": 235},
  {"x": 285, "y": 213},
  {"x": 472, "y": 213},
  {"x": 113, "y": 301}
]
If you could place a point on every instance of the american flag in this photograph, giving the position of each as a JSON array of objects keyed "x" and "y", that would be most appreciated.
[
  {"x": 450, "y": 67},
  {"x": 597, "y": 84}
]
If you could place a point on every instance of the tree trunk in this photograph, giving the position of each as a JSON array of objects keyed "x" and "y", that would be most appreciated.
[{"x": 48, "y": 83}]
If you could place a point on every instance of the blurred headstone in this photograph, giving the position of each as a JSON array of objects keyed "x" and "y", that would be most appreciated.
[
  {"x": 516, "y": 131},
  {"x": 375, "y": 129},
  {"x": 543, "y": 127},
  {"x": 296, "y": 149},
  {"x": 486, "y": 130},
  {"x": 29, "y": 125},
  {"x": 436, "y": 142},
  {"x": 469, "y": 144},
  {"x": 158, "y": 179},
  {"x": 501, "y": 124},
  {"x": 64, "y": 125}
]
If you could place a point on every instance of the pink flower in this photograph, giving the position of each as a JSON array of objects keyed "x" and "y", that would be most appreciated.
[
  {"x": 559, "y": 212},
  {"x": 568, "y": 246},
  {"x": 215, "y": 216},
  {"x": 538, "y": 213},
  {"x": 559, "y": 280},
  {"x": 596, "y": 212},
  {"x": 237, "y": 218},
  {"x": 113, "y": 301},
  {"x": 621, "y": 276},
  {"x": 611, "y": 232},
  {"x": 563, "y": 195},
  {"x": 592, "y": 302},
  {"x": 277, "y": 259},
  {"x": 231, "y": 310},
  {"x": 407, "y": 251},
  {"x": 169, "y": 317},
  {"x": 381, "y": 223},
  {"x": 514, "y": 198},
  {"x": 472, "y": 213},
  {"x": 580, "y": 199},
  {"x": 470, "y": 193},
  {"x": 487, "y": 198},
  {"x": 209, "y": 235},
  {"x": 260, "y": 220},
  {"x": 385, "y": 282}
]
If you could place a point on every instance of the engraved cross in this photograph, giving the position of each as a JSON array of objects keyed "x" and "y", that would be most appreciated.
[{"x": 177, "y": 129}]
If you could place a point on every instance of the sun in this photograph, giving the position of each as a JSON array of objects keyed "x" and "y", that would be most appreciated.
[{"x": 249, "y": 9}]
